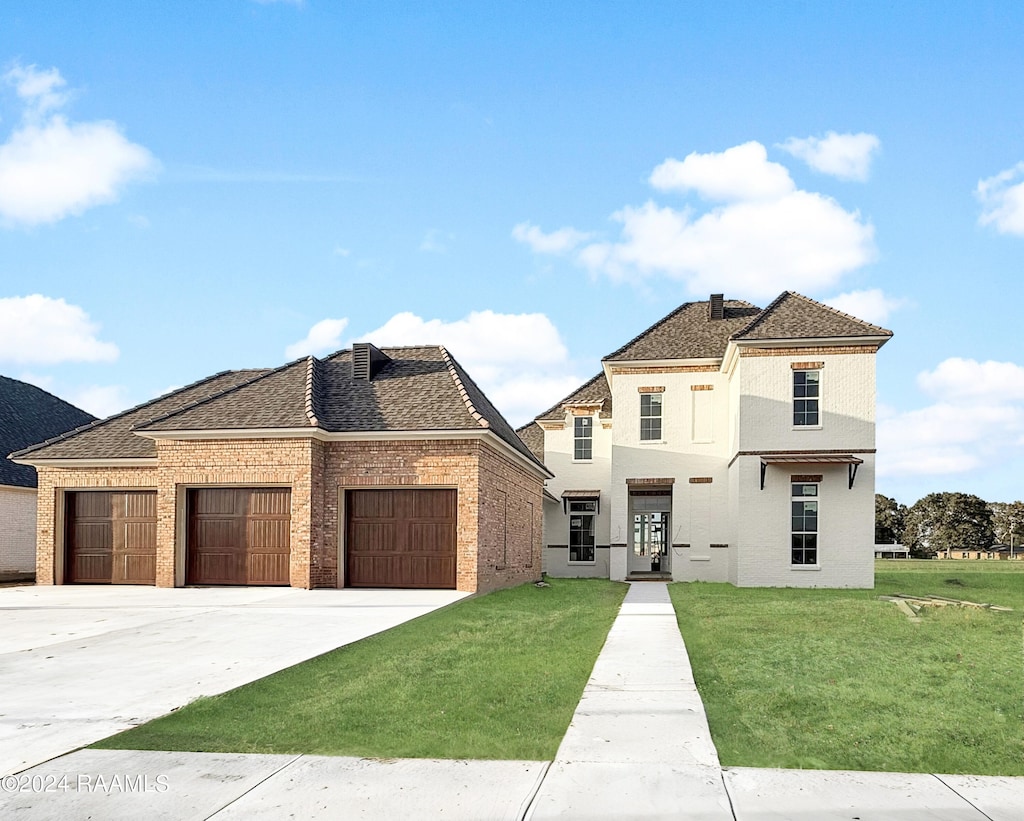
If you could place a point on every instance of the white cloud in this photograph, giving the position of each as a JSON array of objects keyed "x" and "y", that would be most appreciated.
[
  {"x": 342, "y": 252},
  {"x": 846, "y": 156},
  {"x": 976, "y": 422},
  {"x": 39, "y": 89},
  {"x": 556, "y": 242},
  {"x": 435, "y": 242},
  {"x": 518, "y": 360},
  {"x": 101, "y": 400},
  {"x": 741, "y": 173},
  {"x": 323, "y": 337},
  {"x": 769, "y": 236},
  {"x": 51, "y": 168},
  {"x": 968, "y": 379},
  {"x": 36, "y": 329},
  {"x": 1002, "y": 201},
  {"x": 872, "y": 305}
]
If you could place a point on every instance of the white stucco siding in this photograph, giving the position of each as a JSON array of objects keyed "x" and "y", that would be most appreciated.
[
  {"x": 847, "y": 403},
  {"x": 845, "y": 527},
  {"x": 17, "y": 531}
]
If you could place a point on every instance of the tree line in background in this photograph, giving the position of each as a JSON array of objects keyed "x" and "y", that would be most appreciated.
[{"x": 944, "y": 521}]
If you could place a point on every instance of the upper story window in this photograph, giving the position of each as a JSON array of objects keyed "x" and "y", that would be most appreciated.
[
  {"x": 806, "y": 398},
  {"x": 650, "y": 416},
  {"x": 804, "y": 508},
  {"x": 583, "y": 438}
]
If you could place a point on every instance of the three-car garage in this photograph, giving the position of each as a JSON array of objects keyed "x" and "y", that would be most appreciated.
[{"x": 393, "y": 538}]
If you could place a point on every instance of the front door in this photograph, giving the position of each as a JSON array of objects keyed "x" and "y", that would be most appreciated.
[{"x": 650, "y": 542}]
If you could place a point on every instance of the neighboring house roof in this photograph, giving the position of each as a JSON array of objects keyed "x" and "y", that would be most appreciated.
[
  {"x": 794, "y": 316},
  {"x": 421, "y": 388},
  {"x": 688, "y": 333},
  {"x": 29, "y": 414}
]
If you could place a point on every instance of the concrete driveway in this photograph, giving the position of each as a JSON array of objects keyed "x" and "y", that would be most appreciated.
[{"x": 80, "y": 663}]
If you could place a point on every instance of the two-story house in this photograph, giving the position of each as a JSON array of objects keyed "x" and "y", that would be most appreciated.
[{"x": 724, "y": 443}]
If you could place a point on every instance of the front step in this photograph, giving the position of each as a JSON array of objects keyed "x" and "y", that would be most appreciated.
[{"x": 649, "y": 576}]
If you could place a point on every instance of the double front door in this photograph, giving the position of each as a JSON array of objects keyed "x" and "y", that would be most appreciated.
[{"x": 650, "y": 542}]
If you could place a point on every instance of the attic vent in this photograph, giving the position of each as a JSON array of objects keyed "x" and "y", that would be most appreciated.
[
  {"x": 367, "y": 360},
  {"x": 716, "y": 307}
]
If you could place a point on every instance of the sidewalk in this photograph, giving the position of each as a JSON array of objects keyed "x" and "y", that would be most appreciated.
[{"x": 638, "y": 747}]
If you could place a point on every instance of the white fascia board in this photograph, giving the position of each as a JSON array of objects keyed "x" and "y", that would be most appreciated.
[
  {"x": 812, "y": 342},
  {"x": 125, "y": 462},
  {"x": 483, "y": 434}
]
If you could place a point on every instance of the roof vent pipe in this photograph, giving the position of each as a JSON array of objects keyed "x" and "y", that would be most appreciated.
[{"x": 716, "y": 307}]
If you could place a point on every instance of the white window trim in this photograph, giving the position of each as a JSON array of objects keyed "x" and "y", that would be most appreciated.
[
  {"x": 660, "y": 417},
  {"x": 793, "y": 398},
  {"x": 574, "y": 438}
]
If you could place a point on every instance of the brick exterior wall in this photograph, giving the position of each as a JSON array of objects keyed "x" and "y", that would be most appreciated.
[
  {"x": 493, "y": 492},
  {"x": 17, "y": 532}
]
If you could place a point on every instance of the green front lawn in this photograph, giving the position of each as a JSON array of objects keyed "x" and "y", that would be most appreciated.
[
  {"x": 835, "y": 679},
  {"x": 498, "y": 676}
]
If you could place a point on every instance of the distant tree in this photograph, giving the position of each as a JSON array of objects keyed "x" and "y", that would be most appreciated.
[
  {"x": 889, "y": 516},
  {"x": 1007, "y": 516},
  {"x": 944, "y": 521}
]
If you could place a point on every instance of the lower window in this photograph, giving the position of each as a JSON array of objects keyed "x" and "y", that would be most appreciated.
[
  {"x": 581, "y": 531},
  {"x": 804, "y": 506}
]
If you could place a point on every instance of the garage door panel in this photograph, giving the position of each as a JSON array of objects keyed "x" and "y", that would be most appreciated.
[
  {"x": 267, "y": 568},
  {"x": 430, "y": 537},
  {"x": 413, "y": 546},
  {"x": 431, "y": 504},
  {"x": 213, "y": 501},
  {"x": 269, "y": 535},
  {"x": 372, "y": 504},
  {"x": 270, "y": 502},
  {"x": 239, "y": 536},
  {"x": 110, "y": 537}
]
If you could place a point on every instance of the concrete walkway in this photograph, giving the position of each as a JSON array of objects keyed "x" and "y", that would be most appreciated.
[{"x": 638, "y": 747}]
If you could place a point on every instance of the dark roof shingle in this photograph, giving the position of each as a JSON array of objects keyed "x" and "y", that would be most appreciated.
[
  {"x": 688, "y": 333},
  {"x": 421, "y": 388},
  {"x": 795, "y": 316},
  {"x": 593, "y": 391},
  {"x": 28, "y": 415}
]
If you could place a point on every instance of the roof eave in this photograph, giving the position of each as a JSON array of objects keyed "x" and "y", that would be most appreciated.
[
  {"x": 813, "y": 341},
  {"x": 322, "y": 435},
  {"x": 88, "y": 462}
]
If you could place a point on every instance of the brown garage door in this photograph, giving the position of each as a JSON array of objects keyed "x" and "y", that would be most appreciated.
[
  {"x": 110, "y": 537},
  {"x": 239, "y": 535},
  {"x": 401, "y": 538}
]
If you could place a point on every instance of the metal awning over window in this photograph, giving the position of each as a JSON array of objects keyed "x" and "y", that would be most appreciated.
[
  {"x": 810, "y": 458},
  {"x": 581, "y": 496}
]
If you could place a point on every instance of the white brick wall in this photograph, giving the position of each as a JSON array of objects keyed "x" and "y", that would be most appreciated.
[
  {"x": 17, "y": 531},
  {"x": 752, "y": 410}
]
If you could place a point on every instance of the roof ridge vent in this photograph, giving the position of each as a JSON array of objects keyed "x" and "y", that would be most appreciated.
[
  {"x": 716, "y": 307},
  {"x": 367, "y": 360}
]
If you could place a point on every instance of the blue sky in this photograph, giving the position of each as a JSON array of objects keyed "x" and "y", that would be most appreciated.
[{"x": 187, "y": 188}]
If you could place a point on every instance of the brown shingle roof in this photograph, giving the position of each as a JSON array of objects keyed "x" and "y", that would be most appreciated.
[
  {"x": 594, "y": 391},
  {"x": 794, "y": 316},
  {"x": 688, "y": 333},
  {"x": 533, "y": 437},
  {"x": 421, "y": 388},
  {"x": 112, "y": 437}
]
